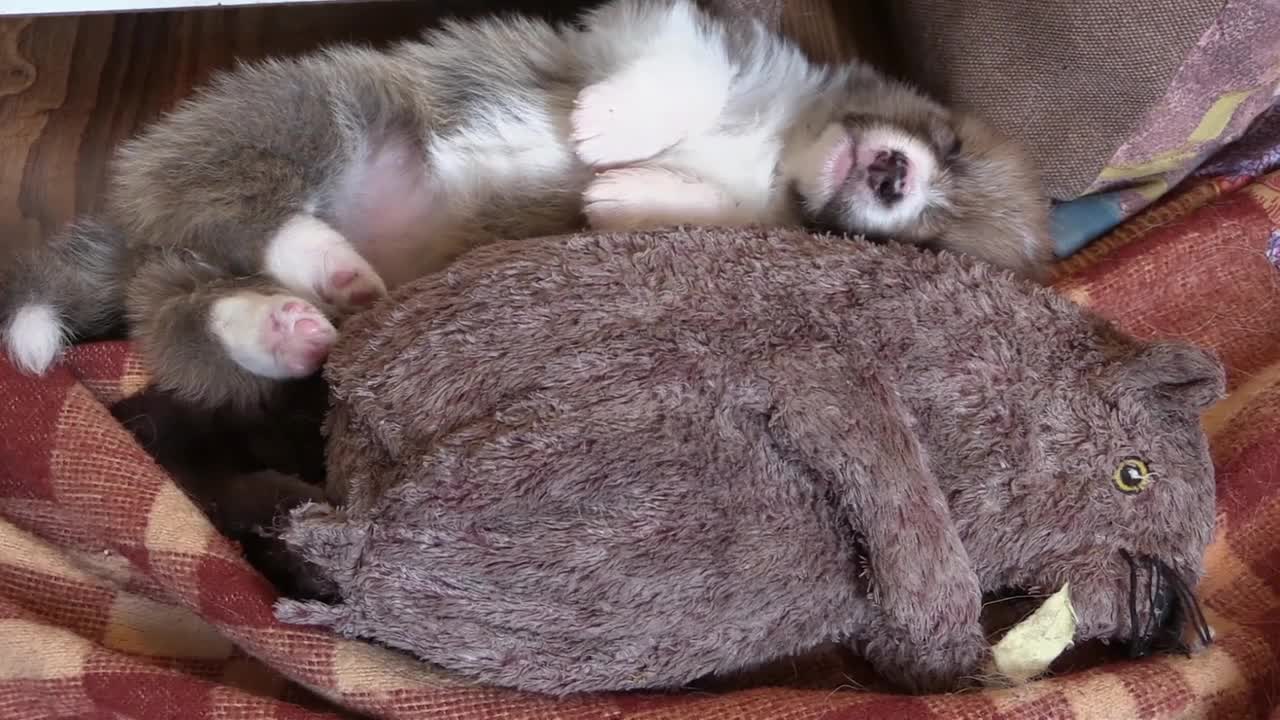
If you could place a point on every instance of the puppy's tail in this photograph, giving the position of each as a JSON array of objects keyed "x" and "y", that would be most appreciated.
[{"x": 53, "y": 293}]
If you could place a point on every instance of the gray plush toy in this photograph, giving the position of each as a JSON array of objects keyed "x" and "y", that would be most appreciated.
[{"x": 610, "y": 462}]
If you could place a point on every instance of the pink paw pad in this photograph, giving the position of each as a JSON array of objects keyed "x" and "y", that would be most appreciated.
[
  {"x": 299, "y": 337},
  {"x": 352, "y": 289}
]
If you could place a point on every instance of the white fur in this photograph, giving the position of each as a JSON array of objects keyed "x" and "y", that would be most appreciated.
[
  {"x": 770, "y": 93},
  {"x": 683, "y": 103},
  {"x": 525, "y": 149},
  {"x": 35, "y": 337},
  {"x": 274, "y": 336},
  {"x": 675, "y": 89},
  {"x": 646, "y": 198},
  {"x": 916, "y": 194},
  {"x": 312, "y": 259},
  {"x": 528, "y": 148}
]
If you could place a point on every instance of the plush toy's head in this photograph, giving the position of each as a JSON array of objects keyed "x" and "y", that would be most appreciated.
[
  {"x": 1146, "y": 484},
  {"x": 1110, "y": 489}
]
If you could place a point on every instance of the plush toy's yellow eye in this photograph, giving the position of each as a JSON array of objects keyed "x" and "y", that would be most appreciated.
[{"x": 1132, "y": 476}]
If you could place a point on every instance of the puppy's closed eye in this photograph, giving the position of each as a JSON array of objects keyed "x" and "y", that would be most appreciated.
[{"x": 944, "y": 139}]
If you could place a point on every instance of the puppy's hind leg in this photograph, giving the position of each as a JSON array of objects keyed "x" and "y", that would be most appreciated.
[
  {"x": 273, "y": 335},
  {"x": 216, "y": 340},
  {"x": 312, "y": 259}
]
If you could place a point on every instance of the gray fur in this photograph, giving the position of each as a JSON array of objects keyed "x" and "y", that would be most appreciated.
[
  {"x": 609, "y": 462},
  {"x": 81, "y": 272}
]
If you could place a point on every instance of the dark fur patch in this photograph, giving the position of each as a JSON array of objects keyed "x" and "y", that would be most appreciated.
[{"x": 244, "y": 471}]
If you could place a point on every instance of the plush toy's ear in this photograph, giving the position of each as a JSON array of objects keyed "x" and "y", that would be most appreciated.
[{"x": 1177, "y": 372}]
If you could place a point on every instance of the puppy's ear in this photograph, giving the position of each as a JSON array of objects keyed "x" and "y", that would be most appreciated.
[
  {"x": 863, "y": 78},
  {"x": 1004, "y": 242},
  {"x": 1176, "y": 373},
  {"x": 942, "y": 135}
]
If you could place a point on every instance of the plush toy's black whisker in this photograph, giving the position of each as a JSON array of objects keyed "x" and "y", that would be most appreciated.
[
  {"x": 1155, "y": 613},
  {"x": 1203, "y": 630},
  {"x": 1189, "y": 602},
  {"x": 1164, "y": 614},
  {"x": 1185, "y": 605},
  {"x": 1169, "y": 610},
  {"x": 1135, "y": 638}
]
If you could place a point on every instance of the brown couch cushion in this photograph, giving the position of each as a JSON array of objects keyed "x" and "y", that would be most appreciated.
[{"x": 1071, "y": 79}]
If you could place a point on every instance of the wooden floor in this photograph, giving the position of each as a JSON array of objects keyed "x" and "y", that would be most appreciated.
[{"x": 71, "y": 88}]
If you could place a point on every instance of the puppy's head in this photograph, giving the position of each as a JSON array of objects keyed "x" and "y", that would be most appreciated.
[{"x": 892, "y": 164}]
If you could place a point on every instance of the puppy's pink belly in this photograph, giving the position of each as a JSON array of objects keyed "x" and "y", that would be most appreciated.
[{"x": 386, "y": 206}]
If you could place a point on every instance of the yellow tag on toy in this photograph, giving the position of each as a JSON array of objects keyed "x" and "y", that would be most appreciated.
[{"x": 1032, "y": 645}]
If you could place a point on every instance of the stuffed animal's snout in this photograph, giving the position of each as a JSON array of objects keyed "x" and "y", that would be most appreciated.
[{"x": 1142, "y": 602}]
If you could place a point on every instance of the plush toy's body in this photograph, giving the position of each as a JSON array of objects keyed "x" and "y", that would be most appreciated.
[{"x": 612, "y": 462}]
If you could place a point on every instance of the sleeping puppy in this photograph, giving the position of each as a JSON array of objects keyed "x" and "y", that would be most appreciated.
[{"x": 242, "y": 228}]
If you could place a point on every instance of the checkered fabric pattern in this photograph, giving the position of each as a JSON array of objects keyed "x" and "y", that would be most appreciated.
[{"x": 118, "y": 599}]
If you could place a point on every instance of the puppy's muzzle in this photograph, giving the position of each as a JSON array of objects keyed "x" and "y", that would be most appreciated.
[{"x": 887, "y": 176}]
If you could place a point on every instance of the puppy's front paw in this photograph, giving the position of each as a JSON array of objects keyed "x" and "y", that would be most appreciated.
[
  {"x": 647, "y": 109},
  {"x": 614, "y": 123},
  {"x": 647, "y": 198},
  {"x": 352, "y": 287},
  {"x": 615, "y": 199}
]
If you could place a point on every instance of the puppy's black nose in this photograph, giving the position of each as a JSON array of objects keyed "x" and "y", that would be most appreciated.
[{"x": 887, "y": 175}]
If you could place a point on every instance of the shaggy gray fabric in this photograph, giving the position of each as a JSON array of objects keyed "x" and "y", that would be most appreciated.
[{"x": 623, "y": 461}]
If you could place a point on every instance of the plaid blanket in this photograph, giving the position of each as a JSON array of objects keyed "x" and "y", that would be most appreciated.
[{"x": 118, "y": 599}]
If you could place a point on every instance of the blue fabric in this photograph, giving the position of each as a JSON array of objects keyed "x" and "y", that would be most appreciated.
[{"x": 1076, "y": 223}]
